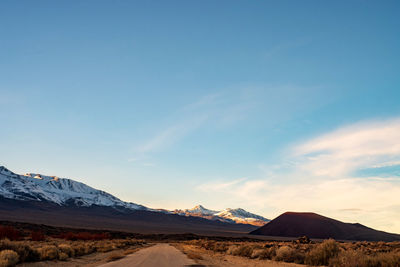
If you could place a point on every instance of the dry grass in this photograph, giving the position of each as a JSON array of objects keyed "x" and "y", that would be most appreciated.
[
  {"x": 193, "y": 255},
  {"x": 322, "y": 253},
  {"x": 355, "y": 258},
  {"x": 328, "y": 253},
  {"x": 115, "y": 256},
  {"x": 8, "y": 258},
  {"x": 60, "y": 249},
  {"x": 48, "y": 252},
  {"x": 289, "y": 254}
]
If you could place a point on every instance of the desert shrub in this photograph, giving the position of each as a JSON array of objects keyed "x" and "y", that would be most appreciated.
[
  {"x": 10, "y": 233},
  {"x": 37, "y": 236},
  {"x": 24, "y": 250},
  {"x": 105, "y": 247},
  {"x": 263, "y": 253},
  {"x": 288, "y": 254},
  {"x": 84, "y": 248},
  {"x": 8, "y": 258},
  {"x": 62, "y": 256},
  {"x": 353, "y": 258},
  {"x": 79, "y": 249},
  {"x": 322, "y": 253},
  {"x": 220, "y": 247},
  {"x": 209, "y": 245},
  {"x": 48, "y": 252},
  {"x": 67, "y": 249},
  {"x": 240, "y": 250}
]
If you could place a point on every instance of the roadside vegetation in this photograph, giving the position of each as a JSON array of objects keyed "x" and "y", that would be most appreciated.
[
  {"x": 17, "y": 247},
  {"x": 326, "y": 253}
]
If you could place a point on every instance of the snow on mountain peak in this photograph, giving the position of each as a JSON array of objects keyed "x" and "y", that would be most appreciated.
[
  {"x": 202, "y": 210},
  {"x": 62, "y": 191},
  {"x": 238, "y": 215}
]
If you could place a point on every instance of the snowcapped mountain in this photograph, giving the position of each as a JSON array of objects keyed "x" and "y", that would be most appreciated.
[
  {"x": 62, "y": 191},
  {"x": 241, "y": 216},
  {"x": 66, "y": 192},
  {"x": 199, "y": 209},
  {"x": 226, "y": 215}
]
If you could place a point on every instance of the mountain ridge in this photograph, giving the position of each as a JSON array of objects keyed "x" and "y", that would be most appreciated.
[
  {"x": 64, "y": 191},
  {"x": 230, "y": 215}
]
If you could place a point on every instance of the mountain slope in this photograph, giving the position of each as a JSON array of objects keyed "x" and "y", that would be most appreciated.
[
  {"x": 227, "y": 215},
  {"x": 36, "y": 198},
  {"x": 241, "y": 216},
  {"x": 295, "y": 224},
  {"x": 61, "y": 191}
]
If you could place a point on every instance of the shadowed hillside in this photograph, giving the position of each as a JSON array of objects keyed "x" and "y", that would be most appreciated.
[{"x": 295, "y": 224}]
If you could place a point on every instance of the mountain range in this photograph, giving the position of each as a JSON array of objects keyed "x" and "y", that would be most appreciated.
[
  {"x": 41, "y": 190},
  {"x": 51, "y": 200},
  {"x": 227, "y": 215}
]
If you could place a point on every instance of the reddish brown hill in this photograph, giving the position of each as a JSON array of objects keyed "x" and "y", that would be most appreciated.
[{"x": 295, "y": 224}]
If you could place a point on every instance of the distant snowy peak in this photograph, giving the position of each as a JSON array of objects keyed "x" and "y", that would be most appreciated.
[
  {"x": 201, "y": 210},
  {"x": 227, "y": 215},
  {"x": 62, "y": 191},
  {"x": 242, "y": 216}
]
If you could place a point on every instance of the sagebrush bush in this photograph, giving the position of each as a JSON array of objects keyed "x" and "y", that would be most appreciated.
[
  {"x": 353, "y": 258},
  {"x": 67, "y": 249},
  {"x": 244, "y": 251},
  {"x": 48, "y": 252},
  {"x": 263, "y": 253},
  {"x": 24, "y": 250},
  {"x": 289, "y": 254},
  {"x": 62, "y": 256},
  {"x": 220, "y": 247},
  {"x": 322, "y": 253},
  {"x": 8, "y": 258}
]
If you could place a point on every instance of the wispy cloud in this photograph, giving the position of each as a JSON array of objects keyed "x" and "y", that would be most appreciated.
[
  {"x": 321, "y": 177},
  {"x": 214, "y": 110},
  {"x": 361, "y": 145},
  {"x": 172, "y": 134}
]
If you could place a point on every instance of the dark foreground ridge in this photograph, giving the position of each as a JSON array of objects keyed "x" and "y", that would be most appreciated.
[
  {"x": 25, "y": 229},
  {"x": 294, "y": 224}
]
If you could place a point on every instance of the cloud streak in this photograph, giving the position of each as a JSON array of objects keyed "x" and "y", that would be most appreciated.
[
  {"x": 321, "y": 177},
  {"x": 362, "y": 145}
]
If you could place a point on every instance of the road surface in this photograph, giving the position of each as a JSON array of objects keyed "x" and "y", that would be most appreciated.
[{"x": 160, "y": 255}]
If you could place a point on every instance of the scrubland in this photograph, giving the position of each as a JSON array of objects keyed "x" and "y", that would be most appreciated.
[
  {"x": 16, "y": 248},
  {"x": 326, "y": 253}
]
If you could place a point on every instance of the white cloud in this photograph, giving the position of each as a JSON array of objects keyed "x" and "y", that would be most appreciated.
[
  {"x": 362, "y": 145},
  {"x": 320, "y": 178}
]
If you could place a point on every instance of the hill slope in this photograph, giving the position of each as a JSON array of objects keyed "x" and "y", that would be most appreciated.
[{"x": 295, "y": 224}]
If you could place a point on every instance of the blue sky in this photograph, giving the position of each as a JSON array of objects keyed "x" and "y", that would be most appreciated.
[{"x": 228, "y": 104}]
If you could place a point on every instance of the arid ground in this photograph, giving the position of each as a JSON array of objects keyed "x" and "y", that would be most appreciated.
[{"x": 39, "y": 245}]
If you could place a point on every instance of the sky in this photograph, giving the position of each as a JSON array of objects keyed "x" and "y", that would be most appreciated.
[{"x": 270, "y": 106}]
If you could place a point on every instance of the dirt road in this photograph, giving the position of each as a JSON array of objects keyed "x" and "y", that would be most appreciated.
[{"x": 160, "y": 255}]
